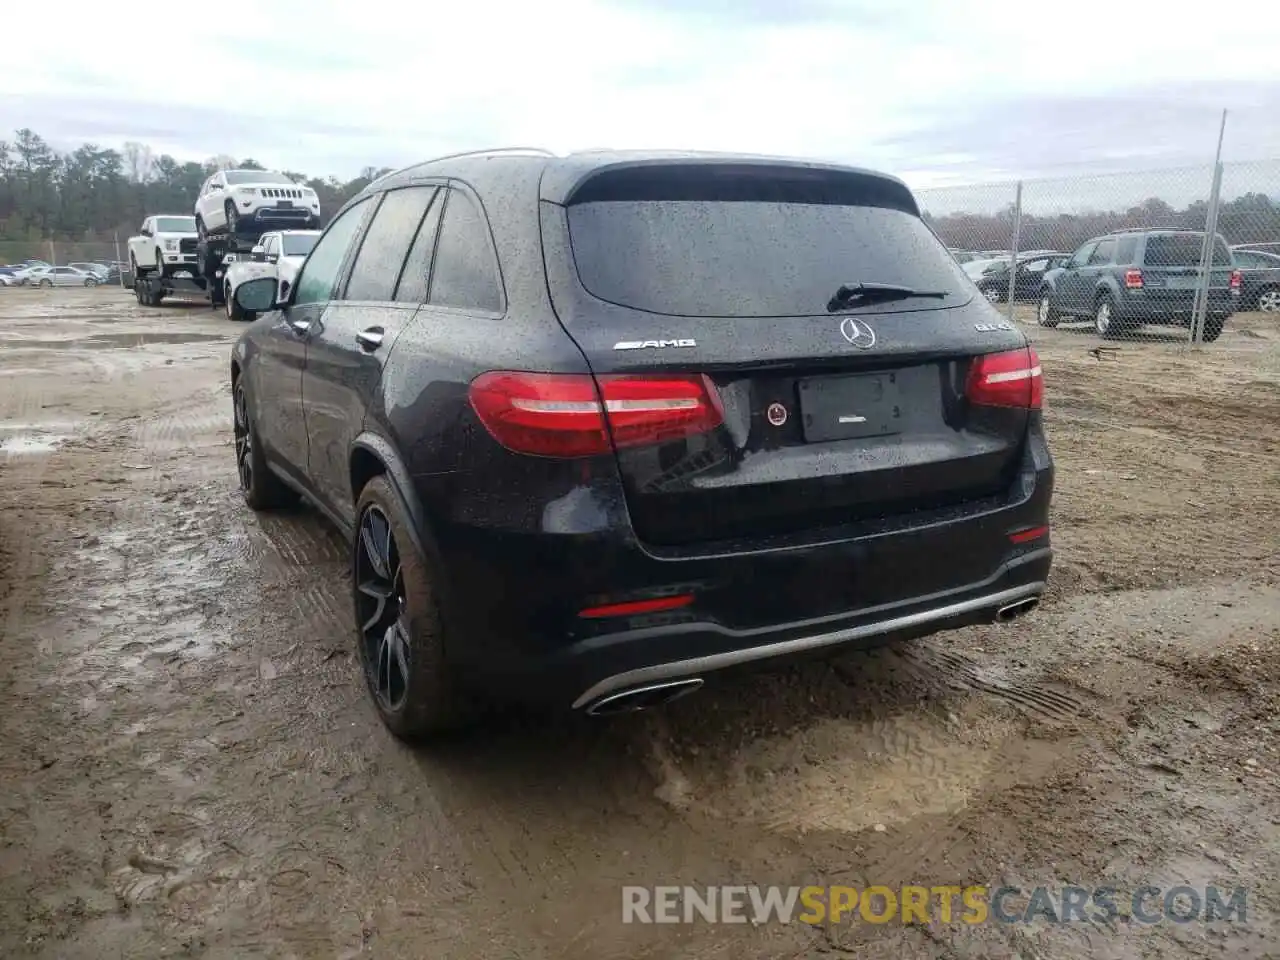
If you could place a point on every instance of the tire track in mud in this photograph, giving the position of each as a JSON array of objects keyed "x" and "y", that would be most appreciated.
[{"x": 946, "y": 669}]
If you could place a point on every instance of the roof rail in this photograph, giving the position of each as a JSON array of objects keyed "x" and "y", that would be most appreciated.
[{"x": 492, "y": 152}]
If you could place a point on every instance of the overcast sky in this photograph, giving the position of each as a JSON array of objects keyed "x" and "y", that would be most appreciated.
[{"x": 937, "y": 91}]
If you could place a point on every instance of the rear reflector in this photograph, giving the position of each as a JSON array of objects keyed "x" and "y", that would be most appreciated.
[
  {"x": 633, "y": 607},
  {"x": 574, "y": 415},
  {"x": 1133, "y": 279},
  {"x": 1026, "y": 536},
  {"x": 1010, "y": 379},
  {"x": 1237, "y": 278}
]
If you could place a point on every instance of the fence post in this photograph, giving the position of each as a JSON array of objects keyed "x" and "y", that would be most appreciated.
[
  {"x": 1013, "y": 251},
  {"x": 53, "y": 255},
  {"x": 1200, "y": 307},
  {"x": 117, "y": 263},
  {"x": 1207, "y": 256}
]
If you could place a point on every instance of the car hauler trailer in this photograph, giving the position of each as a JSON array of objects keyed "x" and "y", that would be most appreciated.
[{"x": 204, "y": 282}]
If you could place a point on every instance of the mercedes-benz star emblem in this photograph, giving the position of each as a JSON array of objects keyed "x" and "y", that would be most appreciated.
[{"x": 858, "y": 333}]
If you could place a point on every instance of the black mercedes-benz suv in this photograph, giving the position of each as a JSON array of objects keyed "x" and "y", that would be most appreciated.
[{"x": 600, "y": 426}]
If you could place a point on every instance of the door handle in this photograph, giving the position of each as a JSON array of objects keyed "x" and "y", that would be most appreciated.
[
  {"x": 370, "y": 338},
  {"x": 300, "y": 327}
]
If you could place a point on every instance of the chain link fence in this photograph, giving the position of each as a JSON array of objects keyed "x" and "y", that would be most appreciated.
[{"x": 1090, "y": 249}]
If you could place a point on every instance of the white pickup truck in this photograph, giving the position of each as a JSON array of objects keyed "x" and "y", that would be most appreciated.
[
  {"x": 279, "y": 254},
  {"x": 164, "y": 245}
]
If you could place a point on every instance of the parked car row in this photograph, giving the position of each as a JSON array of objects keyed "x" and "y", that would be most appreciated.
[
  {"x": 1131, "y": 278},
  {"x": 38, "y": 273}
]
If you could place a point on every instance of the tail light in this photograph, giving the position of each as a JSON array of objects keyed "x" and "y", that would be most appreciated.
[
  {"x": 575, "y": 415},
  {"x": 1133, "y": 279},
  {"x": 1237, "y": 278},
  {"x": 1010, "y": 379}
]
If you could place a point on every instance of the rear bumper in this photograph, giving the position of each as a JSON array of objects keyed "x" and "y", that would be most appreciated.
[
  {"x": 512, "y": 597},
  {"x": 695, "y": 650},
  {"x": 1174, "y": 308}
]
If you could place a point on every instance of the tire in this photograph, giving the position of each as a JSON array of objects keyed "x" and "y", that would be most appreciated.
[
  {"x": 233, "y": 219},
  {"x": 1268, "y": 300},
  {"x": 1213, "y": 327},
  {"x": 1104, "y": 319},
  {"x": 160, "y": 271},
  {"x": 90, "y": 281},
  {"x": 399, "y": 629},
  {"x": 1046, "y": 313},
  {"x": 261, "y": 488},
  {"x": 233, "y": 309},
  {"x": 993, "y": 295},
  {"x": 201, "y": 232},
  {"x": 46, "y": 283}
]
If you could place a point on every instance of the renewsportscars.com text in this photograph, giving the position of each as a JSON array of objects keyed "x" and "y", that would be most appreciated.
[{"x": 972, "y": 904}]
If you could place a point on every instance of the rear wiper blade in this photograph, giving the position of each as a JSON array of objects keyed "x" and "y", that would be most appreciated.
[{"x": 857, "y": 294}]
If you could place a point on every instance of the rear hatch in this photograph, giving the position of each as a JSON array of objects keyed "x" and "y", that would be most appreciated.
[
  {"x": 711, "y": 286},
  {"x": 1171, "y": 265}
]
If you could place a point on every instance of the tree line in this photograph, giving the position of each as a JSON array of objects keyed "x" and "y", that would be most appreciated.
[
  {"x": 93, "y": 193},
  {"x": 1251, "y": 218}
]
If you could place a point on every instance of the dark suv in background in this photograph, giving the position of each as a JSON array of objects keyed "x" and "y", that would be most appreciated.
[
  {"x": 992, "y": 276},
  {"x": 599, "y": 426},
  {"x": 1124, "y": 280}
]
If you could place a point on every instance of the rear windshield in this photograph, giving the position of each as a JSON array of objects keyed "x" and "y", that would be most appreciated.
[
  {"x": 1183, "y": 250},
  {"x": 751, "y": 258}
]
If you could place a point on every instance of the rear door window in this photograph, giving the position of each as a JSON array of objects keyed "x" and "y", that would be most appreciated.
[
  {"x": 1126, "y": 249},
  {"x": 754, "y": 258},
  {"x": 1183, "y": 250},
  {"x": 465, "y": 272},
  {"x": 386, "y": 244},
  {"x": 417, "y": 268}
]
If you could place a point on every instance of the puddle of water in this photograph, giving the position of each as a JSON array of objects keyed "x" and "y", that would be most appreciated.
[
  {"x": 115, "y": 341},
  {"x": 27, "y": 446}
]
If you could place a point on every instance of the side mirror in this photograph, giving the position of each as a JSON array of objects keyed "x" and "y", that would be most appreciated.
[
  {"x": 282, "y": 298},
  {"x": 257, "y": 295},
  {"x": 214, "y": 186},
  {"x": 144, "y": 232},
  {"x": 258, "y": 254}
]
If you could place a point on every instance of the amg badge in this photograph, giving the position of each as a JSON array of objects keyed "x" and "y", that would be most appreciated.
[{"x": 645, "y": 344}]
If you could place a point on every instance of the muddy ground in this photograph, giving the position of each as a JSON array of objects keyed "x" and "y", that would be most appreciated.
[{"x": 190, "y": 766}]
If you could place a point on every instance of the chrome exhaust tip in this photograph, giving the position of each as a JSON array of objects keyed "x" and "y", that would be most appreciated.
[
  {"x": 1012, "y": 611},
  {"x": 643, "y": 698}
]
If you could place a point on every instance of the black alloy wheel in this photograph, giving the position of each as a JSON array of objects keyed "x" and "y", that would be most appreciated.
[
  {"x": 244, "y": 440},
  {"x": 382, "y": 612}
]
